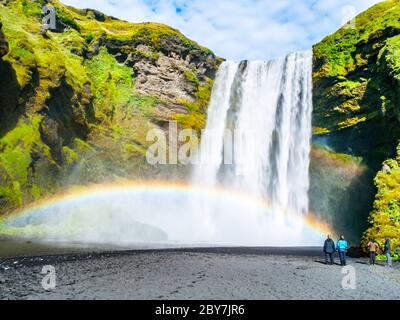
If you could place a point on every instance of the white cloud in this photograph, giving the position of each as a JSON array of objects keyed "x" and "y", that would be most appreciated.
[{"x": 238, "y": 29}]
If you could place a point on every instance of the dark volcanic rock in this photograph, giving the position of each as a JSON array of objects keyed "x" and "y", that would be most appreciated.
[{"x": 3, "y": 43}]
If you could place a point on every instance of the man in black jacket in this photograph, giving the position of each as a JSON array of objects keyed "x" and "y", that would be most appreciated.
[{"x": 329, "y": 249}]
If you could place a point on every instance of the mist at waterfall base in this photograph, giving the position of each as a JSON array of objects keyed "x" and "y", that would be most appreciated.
[{"x": 260, "y": 200}]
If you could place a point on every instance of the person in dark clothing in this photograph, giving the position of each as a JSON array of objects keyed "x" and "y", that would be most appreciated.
[
  {"x": 387, "y": 252},
  {"x": 329, "y": 249}
]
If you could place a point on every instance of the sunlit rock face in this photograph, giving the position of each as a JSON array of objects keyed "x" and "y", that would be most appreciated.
[
  {"x": 76, "y": 102},
  {"x": 356, "y": 115}
]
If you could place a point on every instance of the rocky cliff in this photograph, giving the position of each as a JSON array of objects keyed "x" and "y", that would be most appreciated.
[
  {"x": 77, "y": 101},
  {"x": 3, "y": 43},
  {"x": 356, "y": 118}
]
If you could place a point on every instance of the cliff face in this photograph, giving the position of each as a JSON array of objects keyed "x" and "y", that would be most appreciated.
[
  {"x": 384, "y": 220},
  {"x": 357, "y": 106},
  {"x": 356, "y": 84},
  {"x": 77, "y": 102},
  {"x": 3, "y": 43}
]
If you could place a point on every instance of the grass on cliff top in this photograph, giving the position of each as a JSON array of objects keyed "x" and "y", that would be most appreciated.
[
  {"x": 29, "y": 50},
  {"x": 356, "y": 70},
  {"x": 41, "y": 62},
  {"x": 70, "y": 68},
  {"x": 22, "y": 20},
  {"x": 119, "y": 30},
  {"x": 61, "y": 54},
  {"x": 337, "y": 50}
]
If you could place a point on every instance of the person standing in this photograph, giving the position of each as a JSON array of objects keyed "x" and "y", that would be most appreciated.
[
  {"x": 329, "y": 249},
  {"x": 342, "y": 249},
  {"x": 387, "y": 252},
  {"x": 372, "y": 248}
]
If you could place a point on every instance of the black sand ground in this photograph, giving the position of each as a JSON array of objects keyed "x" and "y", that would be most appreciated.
[{"x": 216, "y": 273}]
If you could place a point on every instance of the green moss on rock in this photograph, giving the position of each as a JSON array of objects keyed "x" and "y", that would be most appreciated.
[
  {"x": 196, "y": 111},
  {"x": 70, "y": 109},
  {"x": 356, "y": 103},
  {"x": 18, "y": 150},
  {"x": 384, "y": 219},
  {"x": 355, "y": 67}
]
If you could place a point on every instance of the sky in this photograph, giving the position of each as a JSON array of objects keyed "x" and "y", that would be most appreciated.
[{"x": 240, "y": 29}]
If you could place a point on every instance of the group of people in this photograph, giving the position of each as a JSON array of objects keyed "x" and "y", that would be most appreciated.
[
  {"x": 373, "y": 249},
  {"x": 341, "y": 247}
]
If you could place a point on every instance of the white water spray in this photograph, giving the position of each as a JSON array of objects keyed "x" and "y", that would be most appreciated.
[{"x": 267, "y": 106}]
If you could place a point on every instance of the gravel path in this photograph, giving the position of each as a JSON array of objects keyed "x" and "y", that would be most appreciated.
[{"x": 194, "y": 274}]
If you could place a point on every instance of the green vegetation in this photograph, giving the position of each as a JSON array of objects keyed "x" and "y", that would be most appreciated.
[
  {"x": 113, "y": 87},
  {"x": 356, "y": 106},
  {"x": 385, "y": 218},
  {"x": 196, "y": 117},
  {"x": 16, "y": 150},
  {"x": 354, "y": 69},
  {"x": 392, "y": 50},
  {"x": 76, "y": 115},
  {"x": 339, "y": 51},
  {"x": 192, "y": 77},
  {"x": 328, "y": 154},
  {"x": 70, "y": 156}
]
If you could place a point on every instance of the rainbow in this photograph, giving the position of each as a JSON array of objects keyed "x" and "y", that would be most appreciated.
[{"x": 166, "y": 188}]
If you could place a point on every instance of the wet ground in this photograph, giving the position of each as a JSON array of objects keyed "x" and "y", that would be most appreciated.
[{"x": 203, "y": 273}]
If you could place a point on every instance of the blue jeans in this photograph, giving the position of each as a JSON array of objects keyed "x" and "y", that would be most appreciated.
[
  {"x": 388, "y": 259},
  {"x": 372, "y": 256},
  {"x": 342, "y": 256}
]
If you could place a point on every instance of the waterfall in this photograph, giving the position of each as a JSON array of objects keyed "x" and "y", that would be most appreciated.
[
  {"x": 249, "y": 188},
  {"x": 258, "y": 131}
]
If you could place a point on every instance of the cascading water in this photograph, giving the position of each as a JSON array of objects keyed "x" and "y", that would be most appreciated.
[
  {"x": 261, "y": 111},
  {"x": 254, "y": 195},
  {"x": 257, "y": 141}
]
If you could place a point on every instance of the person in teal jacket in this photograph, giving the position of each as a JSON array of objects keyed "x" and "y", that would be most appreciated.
[{"x": 342, "y": 249}]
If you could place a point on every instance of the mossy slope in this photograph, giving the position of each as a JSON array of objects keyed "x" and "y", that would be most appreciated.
[
  {"x": 357, "y": 107},
  {"x": 70, "y": 110},
  {"x": 356, "y": 84},
  {"x": 385, "y": 218}
]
